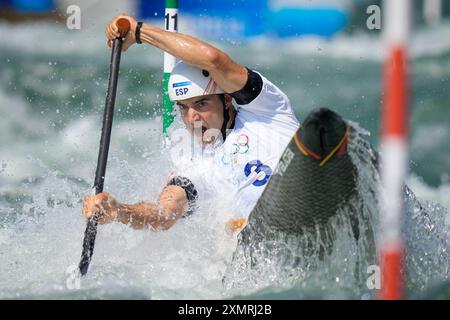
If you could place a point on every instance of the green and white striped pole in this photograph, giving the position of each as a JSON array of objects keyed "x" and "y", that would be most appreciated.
[{"x": 171, "y": 24}]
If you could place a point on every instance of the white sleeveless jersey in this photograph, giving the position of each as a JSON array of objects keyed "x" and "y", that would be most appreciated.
[{"x": 263, "y": 128}]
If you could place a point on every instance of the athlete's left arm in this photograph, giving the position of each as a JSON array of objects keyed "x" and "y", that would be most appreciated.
[{"x": 172, "y": 204}]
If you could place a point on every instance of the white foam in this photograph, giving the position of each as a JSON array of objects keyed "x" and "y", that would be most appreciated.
[
  {"x": 426, "y": 41},
  {"x": 86, "y": 42},
  {"x": 54, "y": 39},
  {"x": 424, "y": 192}
]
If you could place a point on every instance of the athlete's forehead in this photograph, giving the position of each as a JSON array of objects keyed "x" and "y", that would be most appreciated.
[{"x": 195, "y": 100}]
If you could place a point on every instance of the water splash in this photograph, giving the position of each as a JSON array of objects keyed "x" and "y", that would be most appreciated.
[{"x": 298, "y": 267}]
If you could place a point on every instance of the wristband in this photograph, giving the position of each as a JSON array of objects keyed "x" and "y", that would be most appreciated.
[
  {"x": 137, "y": 33},
  {"x": 189, "y": 188}
]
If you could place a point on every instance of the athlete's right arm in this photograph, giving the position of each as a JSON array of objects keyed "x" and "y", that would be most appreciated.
[{"x": 172, "y": 204}]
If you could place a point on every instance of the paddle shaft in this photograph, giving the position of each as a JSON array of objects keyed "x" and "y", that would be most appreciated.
[{"x": 91, "y": 227}]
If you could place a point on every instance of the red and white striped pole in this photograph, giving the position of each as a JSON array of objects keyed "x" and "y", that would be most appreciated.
[{"x": 394, "y": 146}]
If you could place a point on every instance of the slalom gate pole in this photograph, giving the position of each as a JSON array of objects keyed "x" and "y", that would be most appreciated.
[
  {"x": 394, "y": 147},
  {"x": 171, "y": 24}
]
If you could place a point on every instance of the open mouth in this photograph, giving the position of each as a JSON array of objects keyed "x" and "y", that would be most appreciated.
[{"x": 200, "y": 131}]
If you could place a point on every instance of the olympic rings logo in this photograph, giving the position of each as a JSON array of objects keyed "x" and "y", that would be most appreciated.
[{"x": 241, "y": 146}]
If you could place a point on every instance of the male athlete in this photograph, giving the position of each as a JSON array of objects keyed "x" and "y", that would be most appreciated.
[{"x": 254, "y": 131}]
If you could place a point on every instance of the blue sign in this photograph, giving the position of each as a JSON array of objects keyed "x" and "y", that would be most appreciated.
[{"x": 181, "y": 84}]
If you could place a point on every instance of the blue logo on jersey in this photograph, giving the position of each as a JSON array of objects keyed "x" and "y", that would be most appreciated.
[
  {"x": 181, "y": 84},
  {"x": 257, "y": 166}
]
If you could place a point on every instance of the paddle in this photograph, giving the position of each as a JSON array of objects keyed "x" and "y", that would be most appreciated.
[{"x": 91, "y": 227}]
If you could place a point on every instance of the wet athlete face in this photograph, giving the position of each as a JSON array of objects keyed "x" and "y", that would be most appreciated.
[{"x": 201, "y": 114}]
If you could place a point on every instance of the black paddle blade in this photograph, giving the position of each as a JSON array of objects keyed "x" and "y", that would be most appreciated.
[{"x": 88, "y": 244}]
